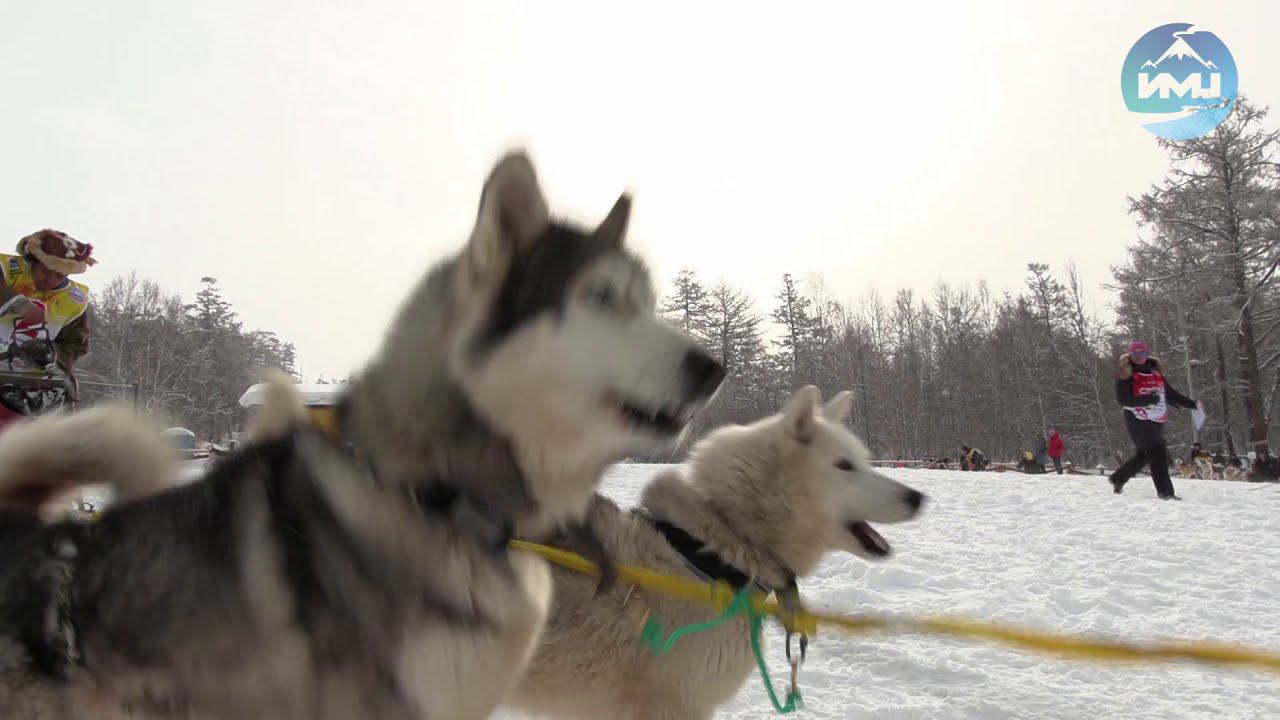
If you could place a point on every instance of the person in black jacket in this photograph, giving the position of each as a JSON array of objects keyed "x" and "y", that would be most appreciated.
[{"x": 1145, "y": 394}]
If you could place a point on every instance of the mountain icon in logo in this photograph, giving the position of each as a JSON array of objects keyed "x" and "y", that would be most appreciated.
[
  {"x": 1180, "y": 50},
  {"x": 1179, "y": 81}
]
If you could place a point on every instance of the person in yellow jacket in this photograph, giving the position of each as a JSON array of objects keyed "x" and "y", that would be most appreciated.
[{"x": 45, "y": 320}]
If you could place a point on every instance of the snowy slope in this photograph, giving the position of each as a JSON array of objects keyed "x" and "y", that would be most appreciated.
[{"x": 1051, "y": 552}]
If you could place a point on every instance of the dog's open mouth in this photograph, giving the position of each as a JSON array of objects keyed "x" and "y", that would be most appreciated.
[
  {"x": 661, "y": 421},
  {"x": 872, "y": 541}
]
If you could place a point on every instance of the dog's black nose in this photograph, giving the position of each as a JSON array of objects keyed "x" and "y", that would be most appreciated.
[
  {"x": 914, "y": 498},
  {"x": 702, "y": 373}
]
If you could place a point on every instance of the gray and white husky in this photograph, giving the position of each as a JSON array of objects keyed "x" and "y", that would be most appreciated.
[
  {"x": 368, "y": 575},
  {"x": 758, "y": 504}
]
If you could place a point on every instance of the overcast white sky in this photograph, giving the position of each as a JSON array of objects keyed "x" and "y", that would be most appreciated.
[{"x": 316, "y": 157}]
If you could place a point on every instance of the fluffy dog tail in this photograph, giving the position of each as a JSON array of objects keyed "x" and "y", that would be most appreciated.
[
  {"x": 44, "y": 459},
  {"x": 282, "y": 411}
]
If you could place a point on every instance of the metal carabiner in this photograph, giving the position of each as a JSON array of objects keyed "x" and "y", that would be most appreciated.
[
  {"x": 804, "y": 645},
  {"x": 795, "y": 663}
]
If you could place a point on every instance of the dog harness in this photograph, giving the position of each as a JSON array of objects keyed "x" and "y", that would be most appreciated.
[
  {"x": 703, "y": 561},
  {"x": 491, "y": 528},
  {"x": 489, "y": 525},
  {"x": 708, "y": 565}
]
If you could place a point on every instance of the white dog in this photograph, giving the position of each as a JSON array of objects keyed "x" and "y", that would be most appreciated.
[{"x": 754, "y": 504}]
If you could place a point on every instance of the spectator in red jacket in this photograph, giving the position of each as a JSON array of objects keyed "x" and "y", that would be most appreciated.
[{"x": 1056, "y": 448}]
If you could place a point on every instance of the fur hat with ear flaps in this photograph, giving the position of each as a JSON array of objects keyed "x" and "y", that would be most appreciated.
[
  {"x": 58, "y": 251},
  {"x": 1126, "y": 365}
]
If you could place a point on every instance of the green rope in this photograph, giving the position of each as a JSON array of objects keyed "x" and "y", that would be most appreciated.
[
  {"x": 652, "y": 637},
  {"x": 793, "y": 696}
]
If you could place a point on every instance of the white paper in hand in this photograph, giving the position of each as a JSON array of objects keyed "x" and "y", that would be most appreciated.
[{"x": 1197, "y": 417}]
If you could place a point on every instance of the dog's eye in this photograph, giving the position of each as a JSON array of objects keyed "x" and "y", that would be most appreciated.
[
  {"x": 844, "y": 465},
  {"x": 601, "y": 296}
]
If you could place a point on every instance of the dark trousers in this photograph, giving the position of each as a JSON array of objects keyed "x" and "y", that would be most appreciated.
[
  {"x": 1158, "y": 458},
  {"x": 1057, "y": 465}
]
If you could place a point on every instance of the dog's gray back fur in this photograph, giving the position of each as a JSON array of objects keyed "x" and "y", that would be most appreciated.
[{"x": 260, "y": 592}]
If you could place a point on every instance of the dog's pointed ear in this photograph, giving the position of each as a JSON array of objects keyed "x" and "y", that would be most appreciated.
[
  {"x": 799, "y": 416},
  {"x": 513, "y": 213},
  {"x": 614, "y": 228},
  {"x": 837, "y": 408}
]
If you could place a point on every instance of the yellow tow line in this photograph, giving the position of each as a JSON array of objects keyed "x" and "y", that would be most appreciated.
[{"x": 719, "y": 595}]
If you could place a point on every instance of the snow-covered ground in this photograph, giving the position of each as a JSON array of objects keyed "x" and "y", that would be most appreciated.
[{"x": 1049, "y": 552}]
